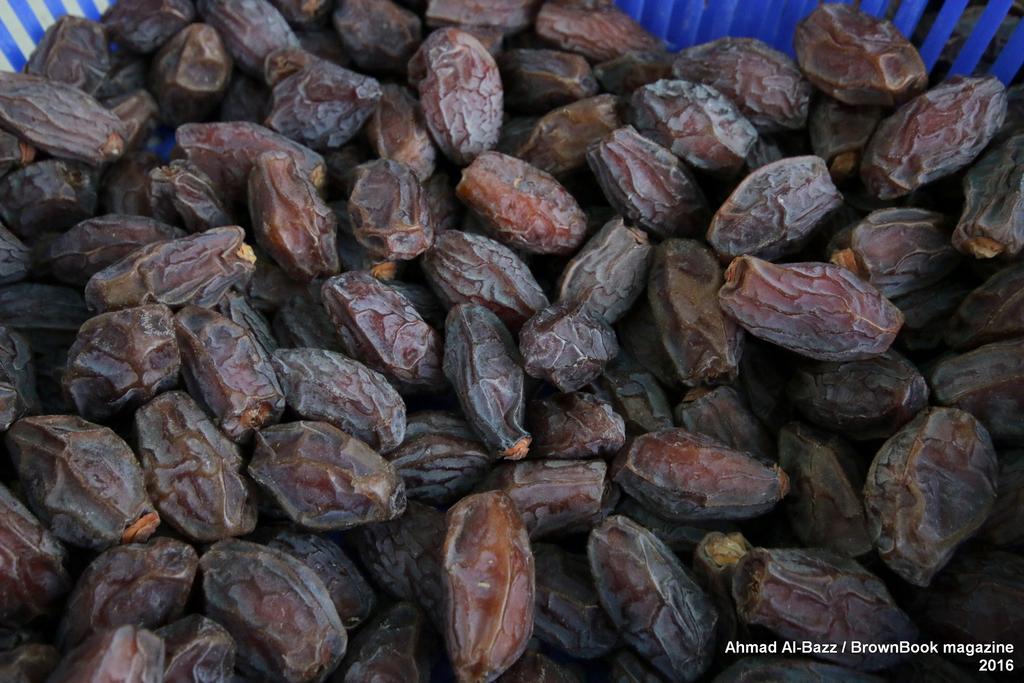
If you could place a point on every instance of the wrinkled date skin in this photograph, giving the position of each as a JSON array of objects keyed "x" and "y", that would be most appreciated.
[
  {"x": 18, "y": 394},
  {"x": 460, "y": 91},
  {"x": 899, "y": 250},
  {"x": 521, "y": 205},
  {"x": 389, "y": 210},
  {"x": 818, "y": 310},
  {"x": 774, "y": 209},
  {"x": 251, "y": 29},
  {"x": 929, "y": 489},
  {"x": 992, "y": 223},
  {"x": 72, "y": 51},
  {"x": 714, "y": 563},
  {"x": 764, "y": 83},
  {"x": 863, "y": 399},
  {"x": 509, "y": 16},
  {"x": 488, "y": 586},
  {"x": 327, "y": 386},
  {"x": 197, "y": 269},
  {"x": 378, "y": 35},
  {"x": 128, "y": 653},
  {"x": 609, "y": 273},
  {"x": 696, "y": 122},
  {"x": 292, "y": 223},
  {"x": 49, "y": 195},
  {"x": 822, "y": 597},
  {"x": 824, "y": 504},
  {"x": 120, "y": 360},
  {"x": 15, "y": 257},
  {"x": 857, "y": 58},
  {"x": 648, "y": 185},
  {"x": 839, "y": 133},
  {"x": 683, "y": 476},
  {"x": 81, "y": 480},
  {"x": 574, "y": 426},
  {"x": 225, "y": 368},
  {"x": 60, "y": 119},
  {"x": 722, "y": 414},
  {"x": 992, "y": 312},
  {"x": 467, "y": 268},
  {"x": 143, "y": 26},
  {"x": 652, "y": 598},
  {"x": 567, "y": 612},
  {"x": 567, "y": 345},
  {"x": 636, "y": 395},
  {"x": 933, "y": 135},
  {"x": 703, "y": 345},
  {"x": 558, "y": 142},
  {"x": 598, "y": 31},
  {"x": 32, "y": 574},
  {"x": 144, "y": 584},
  {"x": 482, "y": 364},
  {"x": 265, "y": 598},
  {"x": 398, "y": 645},
  {"x": 190, "y": 75},
  {"x": 323, "y": 478},
  {"x": 198, "y": 649},
  {"x": 397, "y": 130},
  {"x": 28, "y": 663},
  {"x": 536, "y": 81},
  {"x": 192, "y": 470}
]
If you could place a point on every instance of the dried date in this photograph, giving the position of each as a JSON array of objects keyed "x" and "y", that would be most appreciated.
[
  {"x": 390, "y": 215},
  {"x": 992, "y": 312},
  {"x": 73, "y": 51},
  {"x": 536, "y": 81},
  {"x": 598, "y": 31},
  {"x": 636, "y": 395},
  {"x": 180, "y": 193},
  {"x": 623, "y": 74},
  {"x": 722, "y": 414},
  {"x": 17, "y": 378},
  {"x": 839, "y": 133},
  {"x": 190, "y": 75},
  {"x": 991, "y": 223},
  {"x": 574, "y": 426},
  {"x": 145, "y": 25},
  {"x": 399, "y": 644},
  {"x": 198, "y": 650},
  {"x": 557, "y": 142},
  {"x": 47, "y": 196},
  {"x": 251, "y": 29},
  {"x": 567, "y": 345},
  {"x": 397, "y": 130},
  {"x": 128, "y": 653}
]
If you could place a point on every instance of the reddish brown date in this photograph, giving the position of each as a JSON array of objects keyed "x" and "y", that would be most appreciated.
[
  {"x": 192, "y": 470},
  {"x": 72, "y": 51},
  {"x": 598, "y": 31},
  {"x": 397, "y": 130},
  {"x": 198, "y": 649},
  {"x": 460, "y": 91},
  {"x": 817, "y": 310},
  {"x": 536, "y": 81},
  {"x": 389, "y": 210},
  {"x": 398, "y": 645},
  {"x": 144, "y": 25},
  {"x": 991, "y": 223},
  {"x": 190, "y": 75},
  {"x": 128, "y": 654},
  {"x": 839, "y": 133},
  {"x": 47, "y": 196},
  {"x": 652, "y": 599},
  {"x": 722, "y": 414},
  {"x": 567, "y": 345},
  {"x": 377, "y": 34},
  {"x": 992, "y": 312},
  {"x": 558, "y": 142},
  {"x": 509, "y": 16},
  {"x": 574, "y": 426},
  {"x": 488, "y": 586},
  {"x": 251, "y": 29},
  {"x": 685, "y": 476}
]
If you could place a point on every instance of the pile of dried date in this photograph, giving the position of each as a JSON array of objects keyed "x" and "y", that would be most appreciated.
[{"x": 487, "y": 339}]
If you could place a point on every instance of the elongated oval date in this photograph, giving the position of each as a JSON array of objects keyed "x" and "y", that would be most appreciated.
[
  {"x": 399, "y": 644},
  {"x": 992, "y": 312},
  {"x": 824, "y": 504},
  {"x": 636, "y": 395},
  {"x": 696, "y": 122},
  {"x": 863, "y": 399},
  {"x": 536, "y": 81},
  {"x": 15, "y": 258},
  {"x": 95, "y": 243},
  {"x": 403, "y": 556},
  {"x": 488, "y": 586},
  {"x": 47, "y": 196},
  {"x": 509, "y": 16},
  {"x": 72, "y": 51},
  {"x": 128, "y": 653},
  {"x": 466, "y": 268},
  {"x": 774, "y": 209},
  {"x": 929, "y": 313},
  {"x": 647, "y": 184},
  {"x": 197, "y": 269},
  {"x": 81, "y": 480},
  {"x": 228, "y": 372},
  {"x": 567, "y": 613},
  {"x": 702, "y": 344},
  {"x": 567, "y": 345},
  {"x": 240, "y": 309},
  {"x": 652, "y": 598},
  {"x": 610, "y": 272},
  {"x": 554, "y": 497},
  {"x": 60, "y": 119},
  {"x": 397, "y": 130},
  {"x": 481, "y": 362},
  {"x": 764, "y": 83},
  {"x": 992, "y": 222},
  {"x": 839, "y": 133},
  {"x": 291, "y": 222},
  {"x": 198, "y": 649},
  {"x": 322, "y": 105},
  {"x": 390, "y": 214},
  {"x": 378, "y": 35},
  {"x": 143, "y": 584},
  {"x": 986, "y": 382},
  {"x": 302, "y": 322},
  {"x": 714, "y": 563},
  {"x": 815, "y": 309},
  {"x": 685, "y": 476},
  {"x": 858, "y": 59},
  {"x": 323, "y": 478},
  {"x": 821, "y": 597},
  {"x": 574, "y": 426},
  {"x": 351, "y": 594},
  {"x": 722, "y": 414},
  {"x": 180, "y": 193},
  {"x": 460, "y": 91},
  {"x": 929, "y": 489},
  {"x": 934, "y": 135},
  {"x": 251, "y": 30},
  {"x": 557, "y": 142},
  {"x": 327, "y": 386},
  {"x": 598, "y": 31},
  {"x": 192, "y": 470},
  {"x": 899, "y": 250},
  {"x": 265, "y": 598},
  {"x": 190, "y": 75},
  {"x": 521, "y": 205},
  {"x": 441, "y": 459},
  {"x": 226, "y": 151},
  {"x": 145, "y": 25},
  {"x": 32, "y": 574},
  {"x": 18, "y": 394}
]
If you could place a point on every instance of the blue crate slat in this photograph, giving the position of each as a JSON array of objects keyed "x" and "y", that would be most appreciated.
[
  {"x": 984, "y": 31},
  {"x": 875, "y": 8},
  {"x": 685, "y": 22},
  {"x": 723, "y": 18},
  {"x": 908, "y": 15},
  {"x": 89, "y": 9},
  {"x": 631, "y": 7},
  {"x": 28, "y": 19},
  {"x": 656, "y": 17},
  {"x": 941, "y": 30},
  {"x": 792, "y": 13},
  {"x": 1011, "y": 58},
  {"x": 56, "y": 7}
]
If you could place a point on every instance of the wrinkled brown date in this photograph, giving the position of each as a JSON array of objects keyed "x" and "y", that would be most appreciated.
[
  {"x": 839, "y": 133},
  {"x": 992, "y": 312},
  {"x": 72, "y": 51},
  {"x": 991, "y": 223},
  {"x": 557, "y": 142},
  {"x": 389, "y": 211},
  {"x": 251, "y": 29},
  {"x": 190, "y": 75},
  {"x": 567, "y": 345},
  {"x": 108, "y": 655},
  {"x": 398, "y": 645},
  {"x": 397, "y": 130},
  {"x": 598, "y": 33},
  {"x": 574, "y": 426},
  {"x": 536, "y": 81},
  {"x": 198, "y": 649},
  {"x": 722, "y": 414},
  {"x": 49, "y": 195},
  {"x": 144, "y": 25}
]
